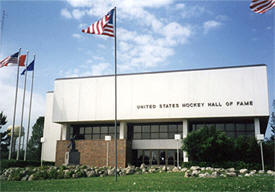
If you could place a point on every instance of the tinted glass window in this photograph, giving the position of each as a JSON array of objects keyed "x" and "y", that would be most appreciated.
[
  {"x": 137, "y": 128},
  {"x": 146, "y": 128},
  {"x": 163, "y": 128},
  {"x": 104, "y": 129},
  {"x": 155, "y": 128}
]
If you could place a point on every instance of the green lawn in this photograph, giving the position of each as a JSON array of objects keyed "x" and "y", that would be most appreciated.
[{"x": 146, "y": 182}]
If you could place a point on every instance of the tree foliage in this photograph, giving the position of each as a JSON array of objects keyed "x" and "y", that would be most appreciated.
[
  {"x": 208, "y": 145},
  {"x": 4, "y": 137},
  {"x": 272, "y": 123},
  {"x": 34, "y": 144}
]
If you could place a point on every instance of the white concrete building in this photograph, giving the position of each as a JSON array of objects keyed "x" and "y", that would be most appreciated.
[{"x": 153, "y": 107}]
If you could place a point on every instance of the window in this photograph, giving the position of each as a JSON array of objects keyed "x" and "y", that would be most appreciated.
[
  {"x": 137, "y": 132},
  {"x": 156, "y": 157},
  {"x": 233, "y": 128},
  {"x": 155, "y": 130},
  {"x": 92, "y": 131},
  {"x": 220, "y": 126}
]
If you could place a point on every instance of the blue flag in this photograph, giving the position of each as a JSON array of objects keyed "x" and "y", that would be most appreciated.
[{"x": 29, "y": 68}]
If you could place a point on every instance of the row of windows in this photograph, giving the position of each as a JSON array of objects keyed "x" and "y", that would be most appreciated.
[
  {"x": 232, "y": 129},
  {"x": 156, "y": 157},
  {"x": 158, "y": 130},
  {"x": 93, "y": 131},
  {"x": 155, "y": 130}
]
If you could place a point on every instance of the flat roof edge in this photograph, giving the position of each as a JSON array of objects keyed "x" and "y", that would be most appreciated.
[{"x": 184, "y": 70}]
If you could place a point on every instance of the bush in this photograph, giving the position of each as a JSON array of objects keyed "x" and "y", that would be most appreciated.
[
  {"x": 213, "y": 148},
  {"x": 269, "y": 157},
  {"x": 208, "y": 145},
  {"x": 20, "y": 163}
]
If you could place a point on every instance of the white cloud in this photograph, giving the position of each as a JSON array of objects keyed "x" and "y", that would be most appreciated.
[
  {"x": 180, "y": 6},
  {"x": 209, "y": 25},
  {"x": 147, "y": 47},
  {"x": 94, "y": 66},
  {"x": 82, "y": 26},
  {"x": 7, "y": 90},
  {"x": 176, "y": 33},
  {"x": 80, "y": 3},
  {"x": 142, "y": 51},
  {"x": 65, "y": 13},
  {"x": 77, "y": 36},
  {"x": 102, "y": 46},
  {"x": 77, "y": 14},
  {"x": 193, "y": 11},
  {"x": 100, "y": 69},
  {"x": 98, "y": 5},
  {"x": 98, "y": 58},
  {"x": 222, "y": 17}
]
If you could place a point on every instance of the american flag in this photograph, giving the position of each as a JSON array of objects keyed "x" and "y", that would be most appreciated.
[
  {"x": 104, "y": 26},
  {"x": 9, "y": 60},
  {"x": 262, "y": 6}
]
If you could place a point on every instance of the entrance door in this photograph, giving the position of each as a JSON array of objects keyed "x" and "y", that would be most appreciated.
[
  {"x": 146, "y": 159},
  {"x": 154, "y": 157},
  {"x": 171, "y": 157},
  {"x": 162, "y": 157}
]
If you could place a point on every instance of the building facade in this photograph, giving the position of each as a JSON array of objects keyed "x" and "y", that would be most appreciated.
[{"x": 152, "y": 108}]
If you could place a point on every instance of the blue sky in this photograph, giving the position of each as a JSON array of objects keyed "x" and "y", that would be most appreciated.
[{"x": 153, "y": 35}]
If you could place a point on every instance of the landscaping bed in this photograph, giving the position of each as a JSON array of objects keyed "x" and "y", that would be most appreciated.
[{"x": 52, "y": 172}]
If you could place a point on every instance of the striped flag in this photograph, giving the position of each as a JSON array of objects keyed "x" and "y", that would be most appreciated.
[
  {"x": 12, "y": 60},
  {"x": 262, "y": 6},
  {"x": 104, "y": 26}
]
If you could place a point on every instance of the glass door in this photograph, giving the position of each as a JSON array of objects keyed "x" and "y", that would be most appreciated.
[{"x": 162, "y": 157}]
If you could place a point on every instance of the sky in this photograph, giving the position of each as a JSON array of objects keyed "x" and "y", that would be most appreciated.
[{"x": 155, "y": 35}]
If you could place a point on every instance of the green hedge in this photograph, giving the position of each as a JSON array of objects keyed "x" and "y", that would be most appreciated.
[{"x": 20, "y": 163}]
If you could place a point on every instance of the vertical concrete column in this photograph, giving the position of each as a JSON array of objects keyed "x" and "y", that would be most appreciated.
[
  {"x": 123, "y": 130},
  {"x": 257, "y": 126},
  {"x": 184, "y": 135},
  {"x": 63, "y": 132}
]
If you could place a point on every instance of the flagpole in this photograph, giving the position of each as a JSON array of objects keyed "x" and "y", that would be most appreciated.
[
  {"x": 14, "y": 111},
  {"x": 27, "y": 138},
  {"x": 115, "y": 101},
  {"x": 22, "y": 114}
]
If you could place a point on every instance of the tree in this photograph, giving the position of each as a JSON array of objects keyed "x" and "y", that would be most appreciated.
[
  {"x": 272, "y": 123},
  {"x": 34, "y": 144},
  {"x": 4, "y": 137},
  {"x": 208, "y": 145}
]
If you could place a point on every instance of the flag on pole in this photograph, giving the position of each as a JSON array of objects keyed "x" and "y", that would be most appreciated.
[
  {"x": 29, "y": 68},
  {"x": 262, "y": 6},
  {"x": 104, "y": 26},
  {"x": 22, "y": 59},
  {"x": 12, "y": 60},
  {"x": 8, "y": 60}
]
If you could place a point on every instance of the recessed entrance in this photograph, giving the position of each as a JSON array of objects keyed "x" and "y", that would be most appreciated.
[{"x": 156, "y": 157}]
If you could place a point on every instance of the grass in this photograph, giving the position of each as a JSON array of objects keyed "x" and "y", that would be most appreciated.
[{"x": 146, "y": 182}]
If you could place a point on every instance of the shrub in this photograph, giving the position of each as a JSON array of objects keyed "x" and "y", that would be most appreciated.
[
  {"x": 208, "y": 145},
  {"x": 269, "y": 157},
  {"x": 213, "y": 148},
  {"x": 52, "y": 172},
  {"x": 20, "y": 163}
]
